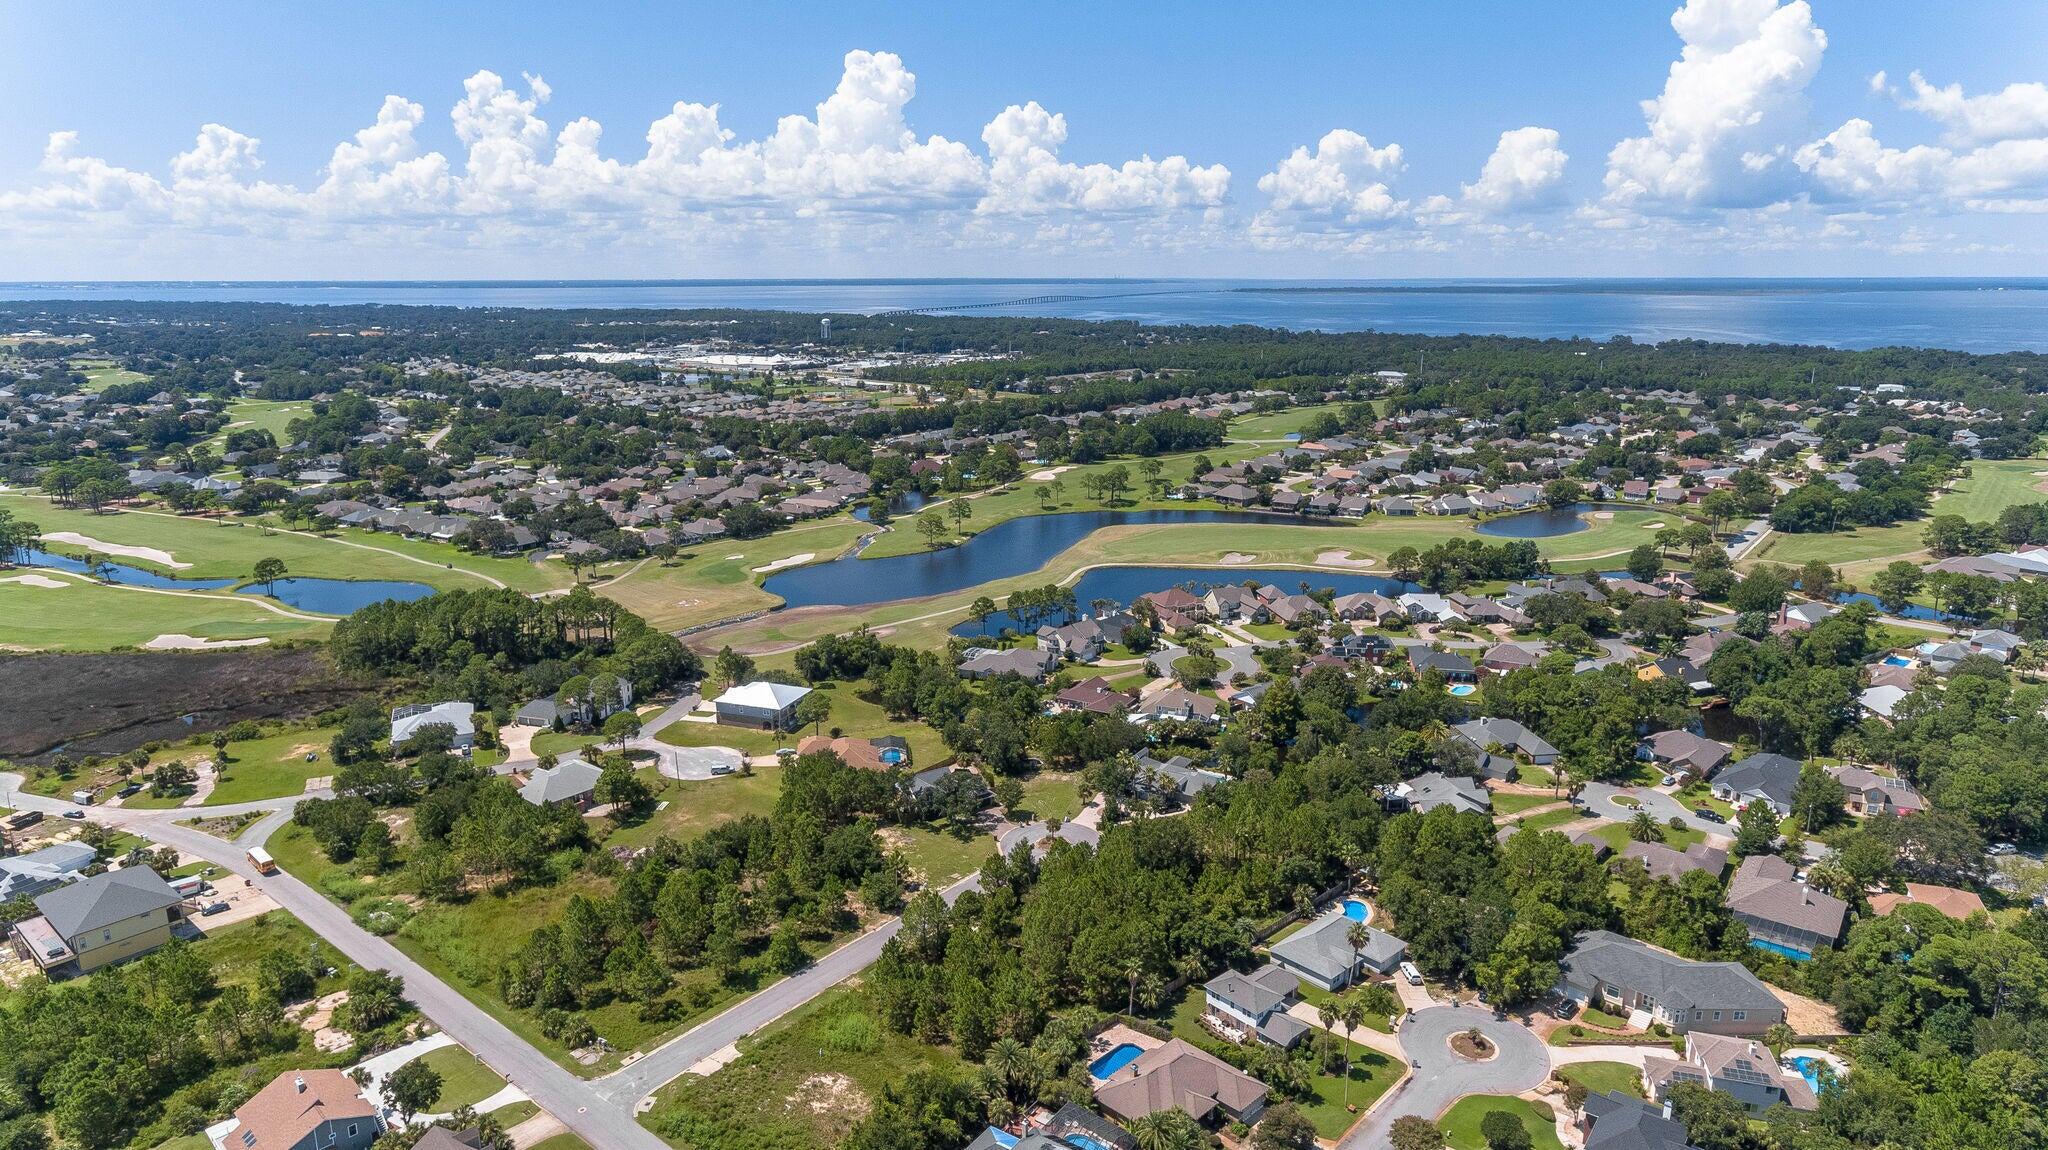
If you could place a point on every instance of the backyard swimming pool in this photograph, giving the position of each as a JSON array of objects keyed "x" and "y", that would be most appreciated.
[
  {"x": 1357, "y": 910},
  {"x": 891, "y": 755},
  {"x": 1809, "y": 1069},
  {"x": 1461, "y": 689},
  {"x": 1780, "y": 948},
  {"x": 1118, "y": 1058},
  {"x": 1897, "y": 661}
]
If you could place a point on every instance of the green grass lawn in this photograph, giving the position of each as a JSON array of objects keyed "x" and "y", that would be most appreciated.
[
  {"x": 697, "y": 805},
  {"x": 271, "y": 415},
  {"x": 1049, "y": 795},
  {"x": 940, "y": 856},
  {"x": 465, "y": 1081},
  {"x": 1460, "y": 1123},
  {"x": 1615, "y": 835},
  {"x": 271, "y": 767},
  {"x": 1601, "y": 1077},
  {"x": 87, "y": 616},
  {"x": 803, "y": 1081},
  {"x": 1549, "y": 820},
  {"x": 716, "y": 580},
  {"x": 562, "y": 1141},
  {"x": 98, "y": 379},
  {"x": 1511, "y": 803}
]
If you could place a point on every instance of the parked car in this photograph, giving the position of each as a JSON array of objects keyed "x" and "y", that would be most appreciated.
[
  {"x": 1412, "y": 973},
  {"x": 2002, "y": 849},
  {"x": 1709, "y": 814},
  {"x": 131, "y": 788},
  {"x": 74, "y": 813},
  {"x": 213, "y": 908}
]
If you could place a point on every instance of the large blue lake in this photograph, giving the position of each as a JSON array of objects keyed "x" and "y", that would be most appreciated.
[
  {"x": 1979, "y": 315},
  {"x": 1013, "y": 547}
]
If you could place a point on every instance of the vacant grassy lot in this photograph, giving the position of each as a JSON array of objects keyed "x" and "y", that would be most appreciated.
[
  {"x": 1050, "y": 795},
  {"x": 274, "y": 766},
  {"x": 695, "y": 806},
  {"x": 803, "y": 1081},
  {"x": 465, "y": 1081},
  {"x": 1460, "y": 1123},
  {"x": 1615, "y": 835},
  {"x": 1508, "y": 804},
  {"x": 938, "y": 856}
]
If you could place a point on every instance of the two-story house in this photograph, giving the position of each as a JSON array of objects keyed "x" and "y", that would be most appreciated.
[{"x": 103, "y": 919}]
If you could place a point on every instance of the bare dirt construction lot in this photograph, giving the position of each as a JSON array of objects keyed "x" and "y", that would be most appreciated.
[{"x": 111, "y": 704}]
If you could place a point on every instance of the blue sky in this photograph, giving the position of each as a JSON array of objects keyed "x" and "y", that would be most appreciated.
[{"x": 200, "y": 140}]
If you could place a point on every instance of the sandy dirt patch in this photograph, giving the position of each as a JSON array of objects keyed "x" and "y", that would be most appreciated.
[
  {"x": 1654, "y": 525},
  {"x": 830, "y": 1093},
  {"x": 34, "y": 580},
  {"x": 1238, "y": 558},
  {"x": 1045, "y": 473},
  {"x": 1603, "y": 515},
  {"x": 1343, "y": 559},
  {"x": 740, "y": 555},
  {"x": 175, "y": 642},
  {"x": 792, "y": 561},
  {"x": 121, "y": 549}
]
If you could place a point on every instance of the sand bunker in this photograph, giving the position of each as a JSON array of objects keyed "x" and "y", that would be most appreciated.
[
  {"x": 34, "y": 580},
  {"x": 1343, "y": 559},
  {"x": 1603, "y": 515},
  {"x": 149, "y": 553},
  {"x": 1045, "y": 473},
  {"x": 1238, "y": 558},
  {"x": 194, "y": 643},
  {"x": 792, "y": 561},
  {"x": 1657, "y": 525}
]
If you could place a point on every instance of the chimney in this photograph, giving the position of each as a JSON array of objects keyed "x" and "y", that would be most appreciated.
[
  {"x": 298, "y": 1083},
  {"x": 1667, "y": 1106}
]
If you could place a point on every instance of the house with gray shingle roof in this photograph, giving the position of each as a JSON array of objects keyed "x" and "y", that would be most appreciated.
[
  {"x": 1255, "y": 1005},
  {"x": 1621, "y": 974},
  {"x": 99, "y": 920},
  {"x": 1321, "y": 952}
]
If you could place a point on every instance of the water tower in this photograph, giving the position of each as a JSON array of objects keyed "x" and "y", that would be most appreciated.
[{"x": 825, "y": 330}]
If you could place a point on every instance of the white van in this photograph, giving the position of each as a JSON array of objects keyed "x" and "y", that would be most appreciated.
[
  {"x": 1412, "y": 973},
  {"x": 82, "y": 798}
]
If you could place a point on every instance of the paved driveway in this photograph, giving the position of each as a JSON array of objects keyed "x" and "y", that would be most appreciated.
[
  {"x": 694, "y": 762},
  {"x": 1601, "y": 798},
  {"x": 1523, "y": 1062},
  {"x": 1442, "y": 1077}
]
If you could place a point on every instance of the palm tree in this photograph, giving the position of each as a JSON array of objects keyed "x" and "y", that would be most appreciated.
[
  {"x": 1010, "y": 1061},
  {"x": 1134, "y": 967},
  {"x": 1351, "y": 1012},
  {"x": 1360, "y": 937}
]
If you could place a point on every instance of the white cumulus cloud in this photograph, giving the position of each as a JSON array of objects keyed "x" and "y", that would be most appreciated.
[
  {"x": 1526, "y": 167},
  {"x": 2019, "y": 111},
  {"x": 1338, "y": 181},
  {"x": 1711, "y": 131}
]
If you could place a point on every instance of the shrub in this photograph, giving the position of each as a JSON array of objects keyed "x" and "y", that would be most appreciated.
[{"x": 853, "y": 1033}]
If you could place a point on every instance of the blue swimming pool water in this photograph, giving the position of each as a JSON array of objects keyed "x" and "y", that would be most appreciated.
[
  {"x": 892, "y": 755},
  {"x": 1897, "y": 661},
  {"x": 1461, "y": 689},
  {"x": 1114, "y": 1061},
  {"x": 1357, "y": 911},
  {"x": 1779, "y": 948},
  {"x": 1809, "y": 1069}
]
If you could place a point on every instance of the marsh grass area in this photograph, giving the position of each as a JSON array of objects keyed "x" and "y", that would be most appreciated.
[{"x": 111, "y": 704}]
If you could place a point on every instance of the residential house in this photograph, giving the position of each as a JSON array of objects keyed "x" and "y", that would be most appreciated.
[
  {"x": 1082, "y": 641},
  {"x": 1510, "y": 736},
  {"x": 1664, "y": 862},
  {"x": 1176, "y": 779},
  {"x": 1365, "y": 606},
  {"x": 457, "y": 716},
  {"x": 1178, "y": 1074},
  {"x": 1504, "y": 657},
  {"x": 1765, "y": 778},
  {"x": 1621, "y": 974},
  {"x": 1030, "y": 662},
  {"x": 1292, "y": 609},
  {"x": 40, "y": 871},
  {"x": 1880, "y": 700},
  {"x": 760, "y": 704},
  {"x": 1430, "y": 791},
  {"x": 1453, "y": 666},
  {"x": 1870, "y": 793},
  {"x": 1684, "y": 754},
  {"x": 1321, "y": 953},
  {"x": 1742, "y": 1068},
  {"x": 1957, "y": 904},
  {"x": 866, "y": 754},
  {"x": 1091, "y": 696},
  {"x": 106, "y": 918},
  {"x": 578, "y": 711},
  {"x": 571, "y": 781},
  {"x": 1782, "y": 913},
  {"x": 302, "y": 1110},
  {"x": 1230, "y": 603},
  {"x": 1616, "y": 1121},
  {"x": 1247, "y": 1007},
  {"x": 1178, "y": 703}
]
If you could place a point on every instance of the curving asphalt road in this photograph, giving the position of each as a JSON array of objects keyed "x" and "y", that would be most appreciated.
[
  {"x": 1601, "y": 797},
  {"x": 1442, "y": 1077}
]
